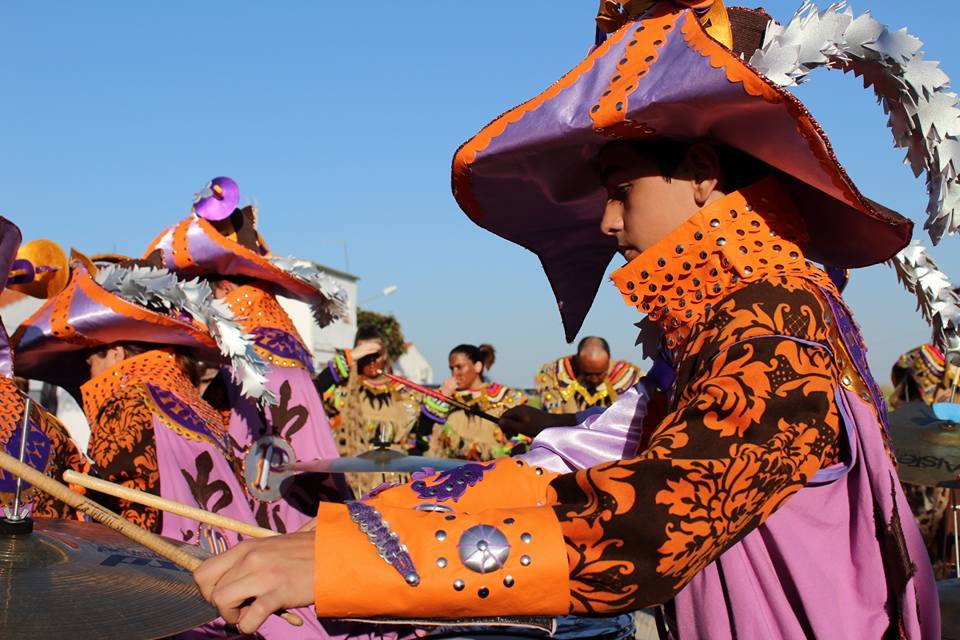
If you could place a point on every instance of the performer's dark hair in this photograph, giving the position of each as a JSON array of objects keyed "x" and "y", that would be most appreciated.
[
  {"x": 367, "y": 332},
  {"x": 737, "y": 168},
  {"x": 603, "y": 343},
  {"x": 485, "y": 354}
]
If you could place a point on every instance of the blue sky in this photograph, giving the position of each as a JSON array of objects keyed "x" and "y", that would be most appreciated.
[{"x": 340, "y": 120}]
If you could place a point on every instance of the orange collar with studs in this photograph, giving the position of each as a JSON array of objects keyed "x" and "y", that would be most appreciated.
[{"x": 746, "y": 236}]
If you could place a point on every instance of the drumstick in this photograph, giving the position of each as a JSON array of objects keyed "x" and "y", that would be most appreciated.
[
  {"x": 106, "y": 517},
  {"x": 439, "y": 396},
  {"x": 172, "y": 506}
]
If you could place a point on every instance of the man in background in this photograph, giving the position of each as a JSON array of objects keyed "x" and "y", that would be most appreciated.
[{"x": 587, "y": 379}]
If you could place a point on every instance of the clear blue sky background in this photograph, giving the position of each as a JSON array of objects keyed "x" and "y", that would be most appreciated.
[{"x": 340, "y": 120}]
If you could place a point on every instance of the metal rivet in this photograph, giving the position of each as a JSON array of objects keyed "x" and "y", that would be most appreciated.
[
  {"x": 846, "y": 381},
  {"x": 698, "y": 235},
  {"x": 634, "y": 298},
  {"x": 630, "y": 285},
  {"x": 538, "y": 471},
  {"x": 721, "y": 242},
  {"x": 679, "y": 248},
  {"x": 748, "y": 208},
  {"x": 661, "y": 262},
  {"x": 714, "y": 223},
  {"x": 442, "y": 563},
  {"x": 458, "y": 585},
  {"x": 449, "y": 517},
  {"x": 747, "y": 270},
  {"x": 508, "y": 521},
  {"x": 441, "y": 535},
  {"x": 733, "y": 213},
  {"x": 483, "y": 592},
  {"x": 508, "y": 581},
  {"x": 526, "y": 537},
  {"x": 525, "y": 561}
]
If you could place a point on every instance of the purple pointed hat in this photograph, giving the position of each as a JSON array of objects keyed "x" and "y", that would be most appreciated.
[
  {"x": 530, "y": 177},
  {"x": 206, "y": 247},
  {"x": 217, "y": 200},
  {"x": 53, "y": 343}
]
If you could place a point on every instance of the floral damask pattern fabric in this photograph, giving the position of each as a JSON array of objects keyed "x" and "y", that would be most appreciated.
[
  {"x": 753, "y": 419},
  {"x": 123, "y": 448}
]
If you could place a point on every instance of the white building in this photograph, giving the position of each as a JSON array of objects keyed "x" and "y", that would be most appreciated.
[{"x": 413, "y": 366}]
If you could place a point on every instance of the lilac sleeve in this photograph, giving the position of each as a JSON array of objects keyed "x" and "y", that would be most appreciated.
[{"x": 601, "y": 436}]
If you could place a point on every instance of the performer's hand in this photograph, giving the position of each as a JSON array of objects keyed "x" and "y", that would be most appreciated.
[
  {"x": 448, "y": 387},
  {"x": 311, "y": 525},
  {"x": 366, "y": 348},
  {"x": 251, "y": 581},
  {"x": 529, "y": 421}
]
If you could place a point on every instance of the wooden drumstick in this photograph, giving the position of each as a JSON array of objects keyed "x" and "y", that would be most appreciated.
[
  {"x": 172, "y": 506},
  {"x": 106, "y": 517}
]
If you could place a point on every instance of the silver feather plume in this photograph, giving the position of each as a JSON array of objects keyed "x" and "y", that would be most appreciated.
[
  {"x": 923, "y": 113},
  {"x": 161, "y": 290},
  {"x": 937, "y": 299},
  {"x": 330, "y": 301}
]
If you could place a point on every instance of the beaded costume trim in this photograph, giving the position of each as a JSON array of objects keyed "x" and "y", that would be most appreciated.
[{"x": 387, "y": 542}]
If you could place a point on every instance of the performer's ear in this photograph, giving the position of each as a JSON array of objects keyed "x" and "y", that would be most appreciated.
[{"x": 703, "y": 165}]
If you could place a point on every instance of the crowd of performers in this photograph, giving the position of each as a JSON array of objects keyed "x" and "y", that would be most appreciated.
[{"x": 744, "y": 486}]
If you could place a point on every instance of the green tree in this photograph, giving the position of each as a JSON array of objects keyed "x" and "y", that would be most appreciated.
[{"x": 389, "y": 328}]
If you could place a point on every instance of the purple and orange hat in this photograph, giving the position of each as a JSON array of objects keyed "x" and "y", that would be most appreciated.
[
  {"x": 53, "y": 343},
  {"x": 213, "y": 241},
  {"x": 672, "y": 69}
]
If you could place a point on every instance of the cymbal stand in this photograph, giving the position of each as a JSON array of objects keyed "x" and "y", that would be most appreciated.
[{"x": 16, "y": 519}]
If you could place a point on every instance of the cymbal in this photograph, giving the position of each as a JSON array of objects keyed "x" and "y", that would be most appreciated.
[
  {"x": 72, "y": 579},
  {"x": 949, "y": 609},
  {"x": 927, "y": 448},
  {"x": 377, "y": 461}
]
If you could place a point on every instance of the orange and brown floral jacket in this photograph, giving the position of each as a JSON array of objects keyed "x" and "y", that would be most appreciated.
[{"x": 751, "y": 417}]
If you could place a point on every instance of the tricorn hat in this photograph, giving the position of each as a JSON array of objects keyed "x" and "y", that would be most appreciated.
[{"x": 695, "y": 70}]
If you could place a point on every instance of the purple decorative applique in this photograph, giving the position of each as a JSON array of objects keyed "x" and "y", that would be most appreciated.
[
  {"x": 451, "y": 484},
  {"x": 387, "y": 542},
  {"x": 183, "y": 414},
  {"x": 283, "y": 345},
  {"x": 380, "y": 488},
  {"x": 853, "y": 341},
  {"x": 37, "y": 454}
]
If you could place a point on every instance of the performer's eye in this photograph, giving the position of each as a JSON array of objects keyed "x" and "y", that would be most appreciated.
[{"x": 620, "y": 192}]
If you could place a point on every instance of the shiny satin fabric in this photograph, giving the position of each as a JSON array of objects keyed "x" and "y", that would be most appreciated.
[
  {"x": 611, "y": 434},
  {"x": 193, "y": 246},
  {"x": 52, "y": 344}
]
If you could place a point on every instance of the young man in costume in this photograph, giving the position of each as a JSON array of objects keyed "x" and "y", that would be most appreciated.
[
  {"x": 49, "y": 447},
  {"x": 220, "y": 243},
  {"x": 585, "y": 379},
  {"x": 764, "y": 503}
]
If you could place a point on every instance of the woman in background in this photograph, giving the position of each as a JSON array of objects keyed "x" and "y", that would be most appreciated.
[{"x": 458, "y": 434}]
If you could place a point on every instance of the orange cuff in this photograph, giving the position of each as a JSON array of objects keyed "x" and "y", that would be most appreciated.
[
  {"x": 473, "y": 487},
  {"x": 438, "y": 565}
]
